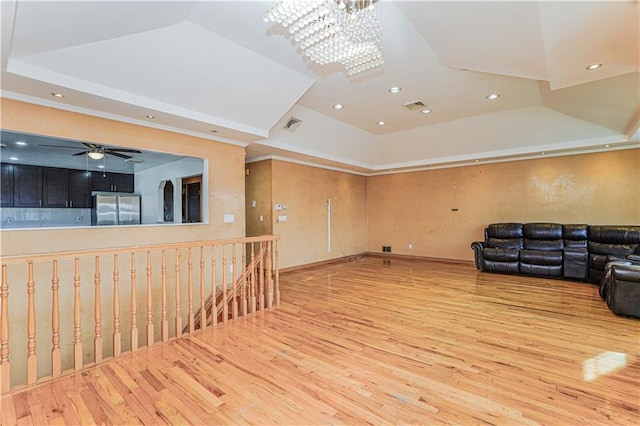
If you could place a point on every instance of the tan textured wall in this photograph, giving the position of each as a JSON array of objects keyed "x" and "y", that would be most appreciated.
[
  {"x": 416, "y": 208},
  {"x": 306, "y": 191},
  {"x": 226, "y": 181},
  {"x": 258, "y": 188}
]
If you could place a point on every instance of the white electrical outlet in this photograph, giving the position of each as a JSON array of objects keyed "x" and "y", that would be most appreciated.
[
  {"x": 261, "y": 218},
  {"x": 410, "y": 246},
  {"x": 282, "y": 218},
  {"x": 229, "y": 218}
]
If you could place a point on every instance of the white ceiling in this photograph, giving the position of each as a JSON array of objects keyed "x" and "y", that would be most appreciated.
[{"x": 215, "y": 65}]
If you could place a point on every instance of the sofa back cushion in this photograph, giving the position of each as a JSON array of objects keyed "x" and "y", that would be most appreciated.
[
  {"x": 543, "y": 236},
  {"x": 575, "y": 236},
  {"x": 505, "y": 236},
  {"x": 614, "y": 240}
]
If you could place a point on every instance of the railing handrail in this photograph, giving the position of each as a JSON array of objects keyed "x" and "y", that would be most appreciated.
[{"x": 36, "y": 257}]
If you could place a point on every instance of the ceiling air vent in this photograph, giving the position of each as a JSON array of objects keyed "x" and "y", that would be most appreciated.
[
  {"x": 292, "y": 124},
  {"x": 415, "y": 105}
]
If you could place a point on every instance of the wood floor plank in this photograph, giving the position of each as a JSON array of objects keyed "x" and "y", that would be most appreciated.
[{"x": 375, "y": 341}]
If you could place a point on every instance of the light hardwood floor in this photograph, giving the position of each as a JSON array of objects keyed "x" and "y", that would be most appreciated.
[{"x": 380, "y": 342}]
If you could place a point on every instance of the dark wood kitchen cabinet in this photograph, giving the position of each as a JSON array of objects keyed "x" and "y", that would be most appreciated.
[
  {"x": 6, "y": 189},
  {"x": 112, "y": 182},
  {"x": 79, "y": 189},
  {"x": 27, "y": 186},
  {"x": 55, "y": 187}
]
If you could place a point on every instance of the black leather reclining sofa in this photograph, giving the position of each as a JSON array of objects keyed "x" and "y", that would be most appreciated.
[{"x": 576, "y": 252}]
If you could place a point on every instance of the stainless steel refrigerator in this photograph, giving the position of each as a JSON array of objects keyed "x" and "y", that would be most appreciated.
[{"x": 115, "y": 209}]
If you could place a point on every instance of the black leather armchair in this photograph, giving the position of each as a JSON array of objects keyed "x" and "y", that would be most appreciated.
[
  {"x": 620, "y": 286},
  {"x": 606, "y": 243}
]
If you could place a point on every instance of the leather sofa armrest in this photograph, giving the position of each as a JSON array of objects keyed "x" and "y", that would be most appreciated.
[
  {"x": 477, "y": 247},
  {"x": 635, "y": 258},
  {"x": 623, "y": 297}
]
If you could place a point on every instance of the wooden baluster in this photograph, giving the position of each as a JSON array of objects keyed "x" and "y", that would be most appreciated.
[
  {"x": 277, "y": 275},
  {"x": 5, "y": 365},
  {"x": 269, "y": 284},
  {"x": 56, "y": 362},
  {"x": 117, "y": 349},
  {"x": 191, "y": 317},
  {"x": 225, "y": 303},
  {"x": 134, "y": 308},
  {"x": 97, "y": 340},
  {"x": 214, "y": 289},
  {"x": 149, "y": 303},
  {"x": 243, "y": 289},
  {"x": 252, "y": 288},
  {"x": 234, "y": 293},
  {"x": 77, "y": 337},
  {"x": 203, "y": 312},
  {"x": 178, "y": 320},
  {"x": 165, "y": 322},
  {"x": 32, "y": 365},
  {"x": 261, "y": 277}
]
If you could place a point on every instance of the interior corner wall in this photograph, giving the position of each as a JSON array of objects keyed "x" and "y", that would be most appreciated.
[
  {"x": 306, "y": 236},
  {"x": 258, "y": 198},
  {"x": 226, "y": 181},
  {"x": 440, "y": 212}
]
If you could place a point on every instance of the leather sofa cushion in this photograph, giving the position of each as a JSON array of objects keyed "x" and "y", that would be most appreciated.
[
  {"x": 541, "y": 270},
  {"x": 501, "y": 267},
  {"x": 629, "y": 273},
  {"x": 543, "y": 244},
  {"x": 505, "y": 243},
  {"x": 614, "y": 234},
  {"x": 575, "y": 232},
  {"x": 612, "y": 249},
  {"x": 504, "y": 230},
  {"x": 541, "y": 257},
  {"x": 501, "y": 255},
  {"x": 542, "y": 231},
  {"x": 575, "y": 244},
  {"x": 598, "y": 261}
]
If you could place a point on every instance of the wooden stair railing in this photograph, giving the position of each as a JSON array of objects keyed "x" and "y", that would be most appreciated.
[
  {"x": 241, "y": 298},
  {"x": 100, "y": 304}
]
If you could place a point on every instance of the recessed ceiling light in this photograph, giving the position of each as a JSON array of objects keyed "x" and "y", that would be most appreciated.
[
  {"x": 13, "y": 158},
  {"x": 338, "y": 106},
  {"x": 493, "y": 96},
  {"x": 101, "y": 166},
  {"x": 395, "y": 89},
  {"x": 542, "y": 153},
  {"x": 21, "y": 143},
  {"x": 594, "y": 67},
  {"x": 151, "y": 116},
  {"x": 426, "y": 111},
  {"x": 607, "y": 146},
  {"x": 381, "y": 123},
  {"x": 476, "y": 160},
  {"x": 57, "y": 95}
]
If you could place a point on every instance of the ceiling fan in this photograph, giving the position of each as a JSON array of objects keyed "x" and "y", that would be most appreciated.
[{"x": 97, "y": 152}]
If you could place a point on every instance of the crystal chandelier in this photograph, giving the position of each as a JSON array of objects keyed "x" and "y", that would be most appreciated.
[{"x": 330, "y": 31}]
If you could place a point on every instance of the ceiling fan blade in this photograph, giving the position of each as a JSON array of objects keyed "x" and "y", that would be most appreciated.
[
  {"x": 134, "y": 151},
  {"x": 79, "y": 153},
  {"x": 91, "y": 145},
  {"x": 117, "y": 154}
]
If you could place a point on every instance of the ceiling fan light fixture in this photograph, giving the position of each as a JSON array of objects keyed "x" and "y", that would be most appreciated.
[{"x": 95, "y": 155}]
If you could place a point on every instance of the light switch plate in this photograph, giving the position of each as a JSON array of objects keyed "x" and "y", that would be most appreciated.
[
  {"x": 229, "y": 218},
  {"x": 282, "y": 218},
  {"x": 278, "y": 207}
]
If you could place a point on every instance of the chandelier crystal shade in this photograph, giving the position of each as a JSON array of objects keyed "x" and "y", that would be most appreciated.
[{"x": 333, "y": 31}]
